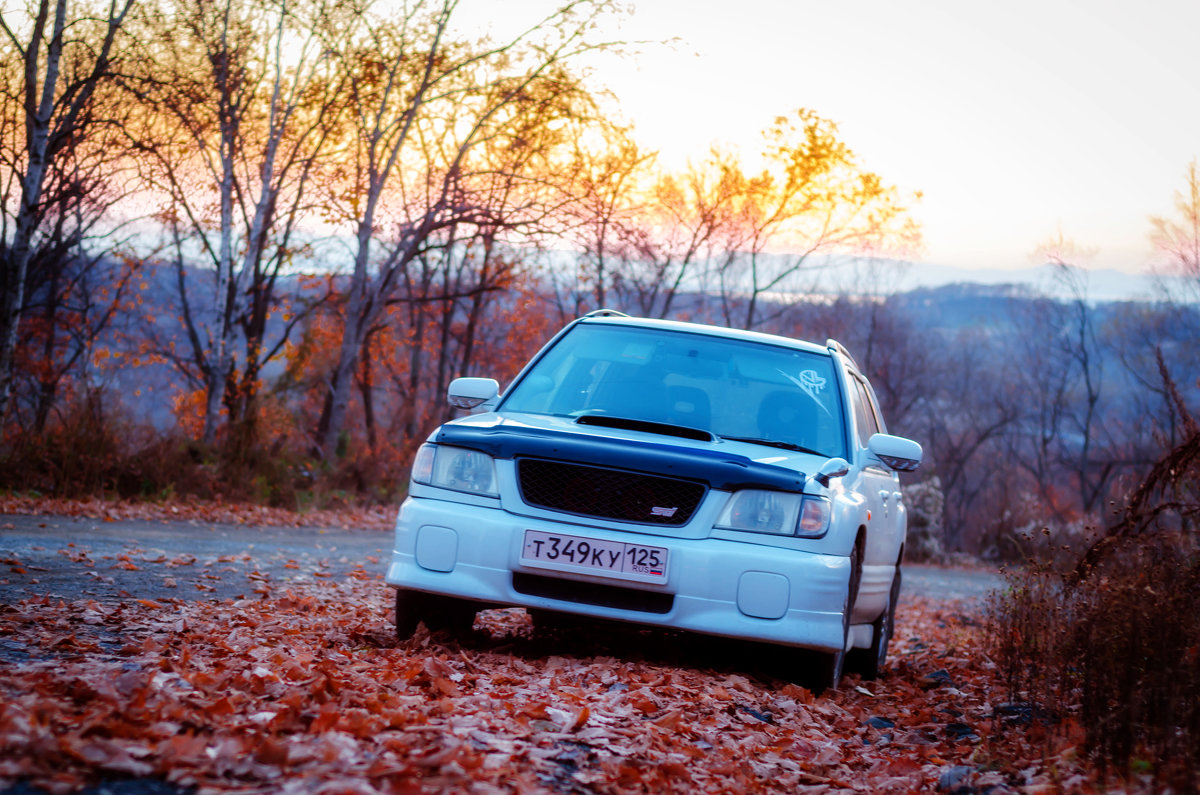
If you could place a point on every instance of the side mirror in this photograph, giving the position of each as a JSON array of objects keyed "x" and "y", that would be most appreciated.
[
  {"x": 833, "y": 468},
  {"x": 902, "y": 455},
  {"x": 467, "y": 393}
]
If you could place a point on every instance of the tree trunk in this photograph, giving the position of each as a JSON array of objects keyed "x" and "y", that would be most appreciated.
[{"x": 366, "y": 389}]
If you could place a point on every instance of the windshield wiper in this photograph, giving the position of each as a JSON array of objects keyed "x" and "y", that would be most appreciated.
[{"x": 773, "y": 443}]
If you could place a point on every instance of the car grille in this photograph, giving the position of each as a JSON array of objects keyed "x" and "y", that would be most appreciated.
[{"x": 608, "y": 493}]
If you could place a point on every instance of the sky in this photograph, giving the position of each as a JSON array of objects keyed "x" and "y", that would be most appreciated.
[{"x": 1016, "y": 120}]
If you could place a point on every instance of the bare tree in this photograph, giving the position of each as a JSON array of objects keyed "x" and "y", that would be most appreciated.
[
  {"x": 686, "y": 226},
  {"x": 241, "y": 102},
  {"x": 1177, "y": 240},
  {"x": 604, "y": 212},
  {"x": 75, "y": 278},
  {"x": 78, "y": 284},
  {"x": 1065, "y": 442},
  {"x": 66, "y": 55},
  {"x": 509, "y": 192},
  {"x": 968, "y": 409},
  {"x": 407, "y": 72}
]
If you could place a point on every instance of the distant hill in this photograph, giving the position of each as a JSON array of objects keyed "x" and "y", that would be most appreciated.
[{"x": 1102, "y": 285}]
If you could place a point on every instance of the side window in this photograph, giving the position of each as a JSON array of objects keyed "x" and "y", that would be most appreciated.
[{"x": 865, "y": 420}]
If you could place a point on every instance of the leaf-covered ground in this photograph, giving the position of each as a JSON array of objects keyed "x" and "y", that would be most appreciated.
[
  {"x": 309, "y": 691},
  {"x": 305, "y": 688}
]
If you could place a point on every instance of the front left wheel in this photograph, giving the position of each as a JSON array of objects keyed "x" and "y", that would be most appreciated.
[{"x": 436, "y": 612}]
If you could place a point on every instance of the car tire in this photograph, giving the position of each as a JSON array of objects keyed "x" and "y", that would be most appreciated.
[
  {"x": 434, "y": 611},
  {"x": 833, "y": 664},
  {"x": 869, "y": 663},
  {"x": 551, "y": 621}
]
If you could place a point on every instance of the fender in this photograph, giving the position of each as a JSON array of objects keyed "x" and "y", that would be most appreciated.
[{"x": 849, "y": 514}]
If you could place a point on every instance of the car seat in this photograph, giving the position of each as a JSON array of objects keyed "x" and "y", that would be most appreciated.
[{"x": 788, "y": 415}]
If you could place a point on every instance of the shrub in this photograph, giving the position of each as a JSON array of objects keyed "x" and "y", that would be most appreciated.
[
  {"x": 81, "y": 453},
  {"x": 1053, "y": 544},
  {"x": 1114, "y": 642},
  {"x": 1118, "y": 652}
]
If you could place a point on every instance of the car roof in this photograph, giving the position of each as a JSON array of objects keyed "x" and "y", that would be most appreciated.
[{"x": 700, "y": 328}]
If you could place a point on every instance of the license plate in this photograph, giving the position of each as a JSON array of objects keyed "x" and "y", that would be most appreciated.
[{"x": 611, "y": 558}]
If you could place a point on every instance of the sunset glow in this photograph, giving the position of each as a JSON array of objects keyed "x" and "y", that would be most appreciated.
[{"x": 1016, "y": 121}]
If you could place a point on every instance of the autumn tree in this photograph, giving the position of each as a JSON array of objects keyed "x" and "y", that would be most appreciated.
[
  {"x": 508, "y": 197},
  {"x": 604, "y": 182},
  {"x": 689, "y": 222},
  {"x": 407, "y": 73},
  {"x": 54, "y": 59},
  {"x": 1177, "y": 239},
  {"x": 77, "y": 278},
  {"x": 240, "y": 104},
  {"x": 671, "y": 232},
  {"x": 812, "y": 200}
]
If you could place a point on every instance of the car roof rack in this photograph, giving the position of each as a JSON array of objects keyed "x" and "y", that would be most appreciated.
[
  {"x": 834, "y": 345},
  {"x": 605, "y": 313}
]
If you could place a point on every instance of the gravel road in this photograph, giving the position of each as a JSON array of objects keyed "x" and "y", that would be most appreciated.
[{"x": 72, "y": 558}]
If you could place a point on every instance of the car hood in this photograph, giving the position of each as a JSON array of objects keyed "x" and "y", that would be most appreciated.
[{"x": 721, "y": 464}]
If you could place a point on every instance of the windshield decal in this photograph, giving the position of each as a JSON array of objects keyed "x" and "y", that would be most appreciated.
[
  {"x": 809, "y": 381},
  {"x": 811, "y": 384}
]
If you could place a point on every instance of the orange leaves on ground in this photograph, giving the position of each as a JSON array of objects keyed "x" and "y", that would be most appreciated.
[{"x": 309, "y": 690}]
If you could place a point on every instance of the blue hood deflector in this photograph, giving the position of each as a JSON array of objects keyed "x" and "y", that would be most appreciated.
[{"x": 719, "y": 469}]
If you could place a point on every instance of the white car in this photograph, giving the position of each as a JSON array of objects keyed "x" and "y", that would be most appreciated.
[{"x": 670, "y": 474}]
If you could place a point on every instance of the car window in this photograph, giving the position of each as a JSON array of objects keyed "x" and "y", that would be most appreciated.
[
  {"x": 732, "y": 388},
  {"x": 866, "y": 421}
]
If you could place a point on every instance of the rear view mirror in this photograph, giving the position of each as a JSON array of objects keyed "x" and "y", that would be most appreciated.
[
  {"x": 467, "y": 393},
  {"x": 902, "y": 455},
  {"x": 833, "y": 468}
]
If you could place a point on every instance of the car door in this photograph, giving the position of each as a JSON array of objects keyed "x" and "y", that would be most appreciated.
[{"x": 880, "y": 487}]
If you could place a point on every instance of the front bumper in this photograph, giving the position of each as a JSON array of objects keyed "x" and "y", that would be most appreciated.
[{"x": 714, "y": 586}]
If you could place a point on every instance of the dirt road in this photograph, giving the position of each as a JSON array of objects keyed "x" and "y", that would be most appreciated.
[{"x": 71, "y": 558}]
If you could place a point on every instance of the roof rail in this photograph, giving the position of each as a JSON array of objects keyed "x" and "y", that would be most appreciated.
[
  {"x": 834, "y": 345},
  {"x": 605, "y": 313}
]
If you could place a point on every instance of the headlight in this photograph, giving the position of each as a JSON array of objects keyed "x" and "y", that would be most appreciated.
[
  {"x": 814, "y": 518},
  {"x": 455, "y": 468},
  {"x": 776, "y": 512}
]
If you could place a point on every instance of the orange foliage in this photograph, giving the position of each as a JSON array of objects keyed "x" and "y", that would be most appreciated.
[
  {"x": 188, "y": 408},
  {"x": 520, "y": 327}
]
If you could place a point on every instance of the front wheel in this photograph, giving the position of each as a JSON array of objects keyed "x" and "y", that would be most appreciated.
[
  {"x": 833, "y": 664},
  {"x": 869, "y": 662},
  {"x": 435, "y": 611},
  {"x": 550, "y": 621}
]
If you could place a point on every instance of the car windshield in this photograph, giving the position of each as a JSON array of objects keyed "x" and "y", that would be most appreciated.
[{"x": 735, "y": 389}]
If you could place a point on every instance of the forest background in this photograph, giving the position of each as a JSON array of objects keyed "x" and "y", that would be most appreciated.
[{"x": 245, "y": 245}]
